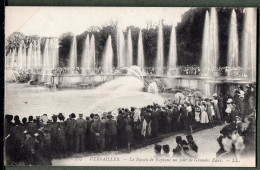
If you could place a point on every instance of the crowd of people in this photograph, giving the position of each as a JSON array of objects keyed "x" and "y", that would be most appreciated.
[
  {"x": 33, "y": 141},
  {"x": 184, "y": 149}
]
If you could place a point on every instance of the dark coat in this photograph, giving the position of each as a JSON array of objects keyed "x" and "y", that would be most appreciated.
[
  {"x": 71, "y": 127},
  {"x": 111, "y": 127},
  {"x": 81, "y": 126},
  {"x": 155, "y": 123}
]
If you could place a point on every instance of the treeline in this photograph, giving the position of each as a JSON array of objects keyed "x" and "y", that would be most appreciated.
[{"x": 189, "y": 38}]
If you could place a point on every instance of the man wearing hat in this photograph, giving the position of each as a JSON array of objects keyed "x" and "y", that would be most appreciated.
[
  {"x": 97, "y": 130},
  {"x": 71, "y": 132},
  {"x": 120, "y": 126},
  {"x": 80, "y": 133},
  {"x": 28, "y": 148},
  {"x": 88, "y": 137},
  {"x": 111, "y": 132},
  {"x": 32, "y": 127}
]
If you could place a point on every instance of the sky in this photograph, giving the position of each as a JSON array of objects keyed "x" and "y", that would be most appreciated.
[{"x": 53, "y": 21}]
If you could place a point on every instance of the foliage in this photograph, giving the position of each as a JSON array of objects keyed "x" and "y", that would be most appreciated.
[{"x": 189, "y": 38}]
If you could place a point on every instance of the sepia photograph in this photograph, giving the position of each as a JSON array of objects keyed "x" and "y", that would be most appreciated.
[{"x": 130, "y": 86}]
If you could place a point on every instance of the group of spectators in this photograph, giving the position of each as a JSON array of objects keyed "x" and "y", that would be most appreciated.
[
  {"x": 35, "y": 140},
  {"x": 184, "y": 149}
]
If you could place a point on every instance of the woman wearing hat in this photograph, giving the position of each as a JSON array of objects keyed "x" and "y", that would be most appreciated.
[
  {"x": 204, "y": 119},
  {"x": 215, "y": 105},
  {"x": 62, "y": 133}
]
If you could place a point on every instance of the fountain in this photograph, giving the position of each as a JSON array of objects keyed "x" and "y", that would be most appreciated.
[
  {"x": 213, "y": 39},
  {"x": 92, "y": 53},
  {"x": 55, "y": 56},
  {"x": 29, "y": 57},
  {"x": 120, "y": 48},
  {"x": 21, "y": 57},
  {"x": 140, "y": 54},
  {"x": 86, "y": 55},
  {"x": 107, "y": 59},
  {"x": 233, "y": 52},
  {"x": 129, "y": 59},
  {"x": 160, "y": 55},
  {"x": 172, "y": 58},
  {"x": 125, "y": 92},
  {"x": 249, "y": 43},
  {"x": 73, "y": 54},
  {"x": 205, "y": 45},
  {"x": 34, "y": 54},
  {"x": 45, "y": 65},
  {"x": 13, "y": 58},
  {"x": 38, "y": 53}
]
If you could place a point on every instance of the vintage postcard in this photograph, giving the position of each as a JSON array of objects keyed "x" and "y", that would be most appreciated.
[{"x": 130, "y": 86}]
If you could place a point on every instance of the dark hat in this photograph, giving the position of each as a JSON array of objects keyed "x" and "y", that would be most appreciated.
[
  {"x": 189, "y": 137},
  {"x": 226, "y": 130},
  {"x": 73, "y": 115},
  {"x": 61, "y": 117},
  {"x": 96, "y": 116},
  {"x": 109, "y": 116},
  {"x": 54, "y": 116},
  {"x": 178, "y": 139},
  {"x": 166, "y": 148},
  {"x": 81, "y": 115},
  {"x": 184, "y": 142},
  {"x": 158, "y": 148}
]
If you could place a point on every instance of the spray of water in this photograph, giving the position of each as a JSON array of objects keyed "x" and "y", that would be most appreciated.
[
  {"x": 140, "y": 59},
  {"x": 73, "y": 53},
  {"x": 107, "y": 61},
  {"x": 249, "y": 42},
  {"x": 172, "y": 58},
  {"x": 160, "y": 56},
  {"x": 233, "y": 42},
  {"x": 129, "y": 59}
]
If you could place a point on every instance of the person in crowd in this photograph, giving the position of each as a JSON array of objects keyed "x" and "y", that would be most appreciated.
[
  {"x": 191, "y": 143},
  {"x": 88, "y": 135},
  {"x": 184, "y": 116},
  {"x": 128, "y": 129},
  {"x": 62, "y": 133},
  {"x": 97, "y": 131},
  {"x": 197, "y": 111},
  {"x": 28, "y": 148},
  {"x": 175, "y": 117},
  {"x": 71, "y": 132},
  {"x": 177, "y": 151},
  {"x": 154, "y": 122},
  {"x": 190, "y": 118},
  {"x": 137, "y": 124},
  {"x": 230, "y": 111},
  {"x": 204, "y": 119},
  {"x": 216, "y": 106},
  {"x": 120, "y": 127},
  {"x": 31, "y": 126},
  {"x": 157, "y": 150},
  {"x": 111, "y": 131},
  {"x": 104, "y": 129},
  {"x": 221, "y": 106},
  {"x": 54, "y": 126},
  {"x": 186, "y": 152},
  {"x": 166, "y": 151},
  {"x": 80, "y": 133},
  {"x": 17, "y": 121},
  {"x": 209, "y": 110}
]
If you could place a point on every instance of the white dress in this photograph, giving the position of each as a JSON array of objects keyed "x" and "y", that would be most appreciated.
[{"x": 204, "y": 115}]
